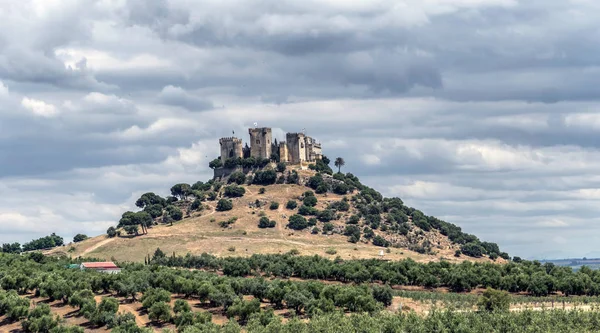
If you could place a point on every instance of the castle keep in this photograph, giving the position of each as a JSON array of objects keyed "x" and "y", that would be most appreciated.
[{"x": 297, "y": 148}]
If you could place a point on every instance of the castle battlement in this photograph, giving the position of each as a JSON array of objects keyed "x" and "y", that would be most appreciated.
[{"x": 230, "y": 139}]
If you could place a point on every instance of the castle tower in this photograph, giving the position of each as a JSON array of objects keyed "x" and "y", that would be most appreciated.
[
  {"x": 231, "y": 148},
  {"x": 260, "y": 142},
  {"x": 283, "y": 152},
  {"x": 296, "y": 145}
]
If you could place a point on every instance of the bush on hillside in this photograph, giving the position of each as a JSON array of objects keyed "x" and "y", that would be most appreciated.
[
  {"x": 297, "y": 222},
  {"x": 79, "y": 237},
  {"x": 224, "y": 205},
  {"x": 265, "y": 223},
  {"x": 234, "y": 191},
  {"x": 291, "y": 204}
]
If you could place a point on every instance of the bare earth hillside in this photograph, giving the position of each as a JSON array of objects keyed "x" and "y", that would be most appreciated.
[{"x": 200, "y": 232}]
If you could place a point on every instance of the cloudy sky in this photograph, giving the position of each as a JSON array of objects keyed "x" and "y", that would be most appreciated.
[{"x": 481, "y": 112}]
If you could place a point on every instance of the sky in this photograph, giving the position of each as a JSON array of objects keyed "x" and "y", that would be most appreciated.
[{"x": 483, "y": 113}]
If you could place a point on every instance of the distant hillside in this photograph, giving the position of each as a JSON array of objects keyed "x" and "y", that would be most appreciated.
[{"x": 279, "y": 209}]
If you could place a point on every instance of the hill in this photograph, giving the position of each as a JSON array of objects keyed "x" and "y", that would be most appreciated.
[{"x": 355, "y": 222}]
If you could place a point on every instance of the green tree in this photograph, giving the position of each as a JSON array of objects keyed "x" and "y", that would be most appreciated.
[
  {"x": 291, "y": 204},
  {"x": 181, "y": 191},
  {"x": 494, "y": 300},
  {"x": 79, "y": 237},
  {"x": 310, "y": 201},
  {"x": 339, "y": 163},
  {"x": 160, "y": 312},
  {"x": 215, "y": 164},
  {"x": 224, "y": 205},
  {"x": 297, "y": 222}
]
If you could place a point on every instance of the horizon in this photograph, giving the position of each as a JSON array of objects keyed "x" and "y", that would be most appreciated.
[{"x": 481, "y": 113}]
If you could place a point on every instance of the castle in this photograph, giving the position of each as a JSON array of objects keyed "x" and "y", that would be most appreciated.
[{"x": 297, "y": 148}]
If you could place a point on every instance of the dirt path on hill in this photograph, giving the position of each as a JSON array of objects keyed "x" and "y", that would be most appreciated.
[{"x": 97, "y": 245}]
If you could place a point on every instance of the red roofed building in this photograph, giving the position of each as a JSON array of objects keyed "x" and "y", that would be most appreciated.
[{"x": 103, "y": 267}]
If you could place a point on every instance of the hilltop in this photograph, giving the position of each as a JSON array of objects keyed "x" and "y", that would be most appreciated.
[{"x": 349, "y": 220}]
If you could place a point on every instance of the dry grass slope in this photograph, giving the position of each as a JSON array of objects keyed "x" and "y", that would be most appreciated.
[{"x": 201, "y": 232}]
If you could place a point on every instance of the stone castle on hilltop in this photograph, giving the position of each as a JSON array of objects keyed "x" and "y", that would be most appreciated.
[{"x": 297, "y": 148}]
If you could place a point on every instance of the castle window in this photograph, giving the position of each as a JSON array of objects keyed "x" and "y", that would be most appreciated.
[
  {"x": 301, "y": 145},
  {"x": 257, "y": 142},
  {"x": 231, "y": 153}
]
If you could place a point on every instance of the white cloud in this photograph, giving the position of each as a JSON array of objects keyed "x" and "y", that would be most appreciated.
[
  {"x": 39, "y": 108},
  {"x": 3, "y": 90}
]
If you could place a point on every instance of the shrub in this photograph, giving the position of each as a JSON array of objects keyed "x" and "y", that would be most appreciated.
[
  {"x": 197, "y": 205},
  {"x": 322, "y": 188},
  {"x": 281, "y": 167},
  {"x": 340, "y": 188},
  {"x": 494, "y": 300},
  {"x": 291, "y": 204},
  {"x": 354, "y": 219},
  {"x": 231, "y": 249},
  {"x": 211, "y": 196},
  {"x": 234, "y": 191},
  {"x": 265, "y": 223},
  {"x": 305, "y": 210},
  {"x": 312, "y": 221},
  {"x": 297, "y": 222},
  {"x": 326, "y": 215},
  {"x": 380, "y": 241},
  {"x": 267, "y": 177},
  {"x": 315, "y": 230},
  {"x": 111, "y": 232},
  {"x": 224, "y": 205},
  {"x": 310, "y": 201},
  {"x": 274, "y": 205},
  {"x": 327, "y": 227},
  {"x": 472, "y": 250},
  {"x": 261, "y": 190},
  {"x": 237, "y": 177},
  {"x": 331, "y": 251}
]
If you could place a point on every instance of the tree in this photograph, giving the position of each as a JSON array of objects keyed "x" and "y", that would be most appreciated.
[
  {"x": 11, "y": 248},
  {"x": 274, "y": 205},
  {"x": 79, "y": 237},
  {"x": 181, "y": 191},
  {"x": 181, "y": 306},
  {"x": 297, "y": 222},
  {"x": 494, "y": 300},
  {"x": 339, "y": 163},
  {"x": 111, "y": 232},
  {"x": 234, "y": 191},
  {"x": 215, "y": 164},
  {"x": 148, "y": 199},
  {"x": 383, "y": 294},
  {"x": 160, "y": 312},
  {"x": 154, "y": 210},
  {"x": 174, "y": 213},
  {"x": 224, "y": 205}
]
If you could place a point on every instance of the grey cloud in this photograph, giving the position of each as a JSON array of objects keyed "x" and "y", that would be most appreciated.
[{"x": 176, "y": 96}]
